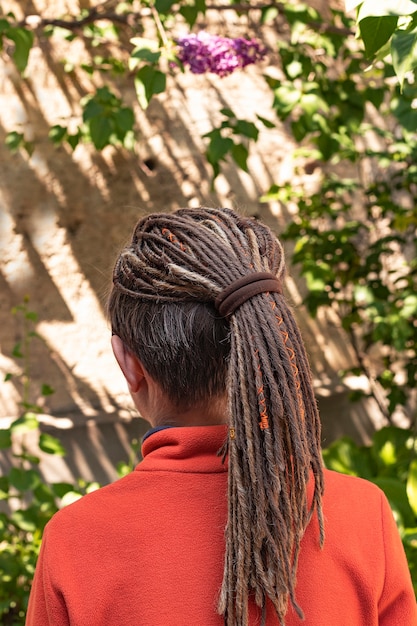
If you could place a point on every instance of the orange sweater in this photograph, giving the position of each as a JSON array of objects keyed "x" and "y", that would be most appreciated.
[{"x": 148, "y": 549}]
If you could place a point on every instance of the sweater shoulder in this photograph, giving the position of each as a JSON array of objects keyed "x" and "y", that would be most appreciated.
[
  {"x": 336, "y": 480},
  {"x": 94, "y": 504},
  {"x": 356, "y": 497},
  {"x": 344, "y": 485}
]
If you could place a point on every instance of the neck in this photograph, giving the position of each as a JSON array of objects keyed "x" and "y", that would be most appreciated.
[{"x": 210, "y": 413}]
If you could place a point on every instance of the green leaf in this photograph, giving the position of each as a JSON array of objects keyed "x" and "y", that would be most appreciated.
[
  {"x": 328, "y": 145},
  {"x": 314, "y": 281},
  {"x": 8, "y": 377},
  {"x": 148, "y": 82},
  {"x": 26, "y": 456},
  {"x": 74, "y": 140},
  {"x": 4, "y": 25},
  {"x": 396, "y": 493},
  {"x": 376, "y": 31},
  {"x": 390, "y": 446},
  {"x": 286, "y": 97},
  {"x": 190, "y": 11},
  {"x": 374, "y": 95},
  {"x": 404, "y": 53},
  {"x": 239, "y": 154},
  {"x": 143, "y": 54},
  {"x": 164, "y": 6},
  {"x": 247, "y": 129},
  {"x": 24, "y": 480},
  {"x": 412, "y": 485},
  {"x": 30, "y": 520},
  {"x": 100, "y": 130},
  {"x": 265, "y": 122},
  {"x": 92, "y": 487},
  {"x": 25, "y": 520},
  {"x": 32, "y": 316},
  {"x": 70, "y": 497},
  {"x": 143, "y": 42},
  {"x": 5, "y": 438},
  {"x": 311, "y": 103},
  {"x": 23, "y": 40},
  {"x": 47, "y": 390},
  {"x": 28, "y": 421},
  {"x": 92, "y": 108},
  {"x": 268, "y": 14},
  {"x": 45, "y": 496},
  {"x": 218, "y": 147},
  {"x": 345, "y": 456},
  {"x": 57, "y": 133},
  {"x": 190, "y": 14},
  {"x": 404, "y": 111},
  {"x": 123, "y": 469},
  {"x": 4, "y": 488},
  {"x": 14, "y": 140},
  {"x": 409, "y": 307},
  {"x": 227, "y": 112},
  {"x": 124, "y": 119},
  {"x": 60, "y": 489},
  {"x": 17, "y": 350},
  {"x": 51, "y": 445}
]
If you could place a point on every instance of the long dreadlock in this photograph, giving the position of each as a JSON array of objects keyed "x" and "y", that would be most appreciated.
[{"x": 173, "y": 270}]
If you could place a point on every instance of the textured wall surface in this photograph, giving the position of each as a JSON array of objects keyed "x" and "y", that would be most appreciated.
[{"x": 64, "y": 215}]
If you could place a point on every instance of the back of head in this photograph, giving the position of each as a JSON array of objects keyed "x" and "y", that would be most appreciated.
[{"x": 166, "y": 284}]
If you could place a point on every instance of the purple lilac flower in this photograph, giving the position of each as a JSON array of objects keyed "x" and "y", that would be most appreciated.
[{"x": 220, "y": 55}]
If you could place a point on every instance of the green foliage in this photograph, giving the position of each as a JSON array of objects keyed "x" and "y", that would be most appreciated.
[
  {"x": 148, "y": 82},
  {"x": 391, "y": 463},
  {"x": 145, "y": 59},
  {"x": 125, "y": 467},
  {"x": 15, "y": 141},
  {"x": 359, "y": 269},
  {"x": 354, "y": 239},
  {"x": 323, "y": 105},
  {"x": 106, "y": 119},
  {"x": 232, "y": 137},
  {"x": 390, "y": 27},
  {"x": 386, "y": 26},
  {"x": 27, "y": 501},
  {"x": 106, "y": 122},
  {"x": 19, "y": 39}
]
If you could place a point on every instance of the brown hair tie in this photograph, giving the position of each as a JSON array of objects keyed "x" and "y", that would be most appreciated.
[{"x": 243, "y": 289}]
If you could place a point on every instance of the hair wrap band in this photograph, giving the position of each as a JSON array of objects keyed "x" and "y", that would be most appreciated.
[{"x": 243, "y": 289}]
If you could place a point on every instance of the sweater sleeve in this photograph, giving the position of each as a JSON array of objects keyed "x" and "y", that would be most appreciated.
[
  {"x": 46, "y": 603},
  {"x": 397, "y": 605}
]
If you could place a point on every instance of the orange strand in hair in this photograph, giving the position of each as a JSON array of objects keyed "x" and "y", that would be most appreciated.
[
  {"x": 264, "y": 423},
  {"x": 293, "y": 364},
  {"x": 172, "y": 238}
]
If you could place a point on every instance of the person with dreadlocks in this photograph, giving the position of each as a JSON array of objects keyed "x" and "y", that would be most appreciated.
[{"x": 230, "y": 518}]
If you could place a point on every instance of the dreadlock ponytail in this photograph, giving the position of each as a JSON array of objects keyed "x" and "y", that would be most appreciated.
[{"x": 202, "y": 258}]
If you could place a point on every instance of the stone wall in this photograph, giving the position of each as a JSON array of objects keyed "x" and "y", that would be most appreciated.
[{"x": 64, "y": 215}]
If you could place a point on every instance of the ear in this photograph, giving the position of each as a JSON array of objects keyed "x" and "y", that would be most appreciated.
[{"x": 130, "y": 365}]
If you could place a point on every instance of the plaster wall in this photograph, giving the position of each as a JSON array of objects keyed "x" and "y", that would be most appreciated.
[{"x": 64, "y": 215}]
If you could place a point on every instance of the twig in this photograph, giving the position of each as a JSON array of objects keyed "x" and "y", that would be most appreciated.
[
  {"x": 375, "y": 389},
  {"x": 127, "y": 19}
]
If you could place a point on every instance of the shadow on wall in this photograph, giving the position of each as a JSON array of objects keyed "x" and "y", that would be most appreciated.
[
  {"x": 64, "y": 216},
  {"x": 94, "y": 448}
]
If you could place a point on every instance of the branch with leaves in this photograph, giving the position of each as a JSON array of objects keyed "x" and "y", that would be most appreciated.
[
  {"x": 325, "y": 88},
  {"x": 389, "y": 28}
]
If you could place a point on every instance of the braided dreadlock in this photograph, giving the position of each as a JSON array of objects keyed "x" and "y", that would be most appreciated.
[{"x": 161, "y": 305}]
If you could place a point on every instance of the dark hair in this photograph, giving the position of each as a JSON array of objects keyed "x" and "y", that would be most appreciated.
[
  {"x": 165, "y": 283},
  {"x": 183, "y": 345}
]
